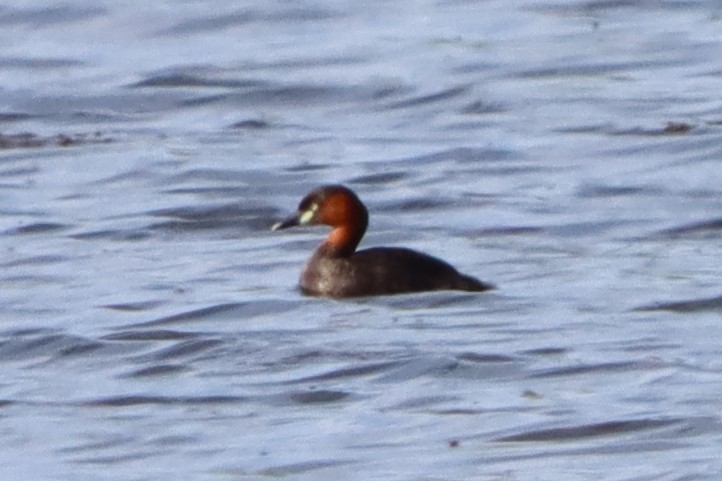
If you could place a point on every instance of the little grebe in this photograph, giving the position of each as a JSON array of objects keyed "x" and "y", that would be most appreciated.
[{"x": 336, "y": 269}]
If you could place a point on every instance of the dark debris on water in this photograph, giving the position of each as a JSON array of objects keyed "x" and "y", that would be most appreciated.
[{"x": 28, "y": 140}]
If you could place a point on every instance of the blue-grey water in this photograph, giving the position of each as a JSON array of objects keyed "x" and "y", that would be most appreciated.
[{"x": 568, "y": 151}]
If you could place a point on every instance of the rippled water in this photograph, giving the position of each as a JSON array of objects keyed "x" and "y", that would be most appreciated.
[{"x": 568, "y": 152}]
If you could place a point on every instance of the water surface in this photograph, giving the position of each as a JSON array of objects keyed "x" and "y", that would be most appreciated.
[{"x": 566, "y": 151}]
